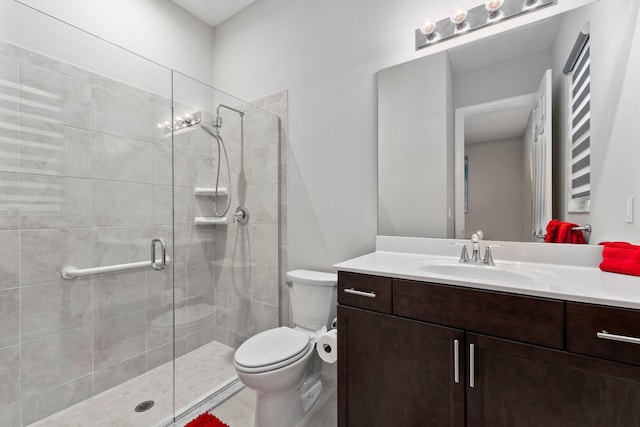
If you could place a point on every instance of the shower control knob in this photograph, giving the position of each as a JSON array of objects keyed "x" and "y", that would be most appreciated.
[{"x": 241, "y": 216}]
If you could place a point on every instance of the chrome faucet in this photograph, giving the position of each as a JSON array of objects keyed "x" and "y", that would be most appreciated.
[{"x": 487, "y": 259}]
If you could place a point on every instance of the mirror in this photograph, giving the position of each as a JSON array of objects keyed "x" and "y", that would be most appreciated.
[{"x": 424, "y": 103}]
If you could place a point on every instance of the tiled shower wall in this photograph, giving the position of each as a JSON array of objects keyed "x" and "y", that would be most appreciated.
[{"x": 85, "y": 180}]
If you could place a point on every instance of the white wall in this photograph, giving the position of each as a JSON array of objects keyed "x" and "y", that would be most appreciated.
[
  {"x": 615, "y": 95},
  {"x": 155, "y": 29},
  {"x": 327, "y": 55}
]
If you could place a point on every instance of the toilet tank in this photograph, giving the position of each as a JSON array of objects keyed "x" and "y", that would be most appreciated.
[{"x": 313, "y": 298}]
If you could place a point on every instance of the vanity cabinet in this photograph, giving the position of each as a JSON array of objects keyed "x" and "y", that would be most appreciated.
[{"x": 455, "y": 356}]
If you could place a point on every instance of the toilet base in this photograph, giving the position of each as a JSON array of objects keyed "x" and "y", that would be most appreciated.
[
  {"x": 286, "y": 410},
  {"x": 310, "y": 399}
]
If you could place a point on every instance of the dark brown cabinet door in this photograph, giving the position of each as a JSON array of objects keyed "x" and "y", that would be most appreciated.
[
  {"x": 518, "y": 385},
  {"x": 397, "y": 372}
]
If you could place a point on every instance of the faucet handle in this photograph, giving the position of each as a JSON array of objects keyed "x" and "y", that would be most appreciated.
[
  {"x": 464, "y": 255},
  {"x": 488, "y": 258}
]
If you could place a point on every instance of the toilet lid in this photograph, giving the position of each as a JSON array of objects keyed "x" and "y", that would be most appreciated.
[{"x": 272, "y": 347}]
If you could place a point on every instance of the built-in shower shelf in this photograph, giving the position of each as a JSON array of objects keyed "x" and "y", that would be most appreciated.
[
  {"x": 206, "y": 191},
  {"x": 210, "y": 220}
]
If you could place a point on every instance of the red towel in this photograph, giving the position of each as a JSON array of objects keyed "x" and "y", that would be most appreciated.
[
  {"x": 620, "y": 257},
  {"x": 562, "y": 232},
  {"x": 206, "y": 420}
]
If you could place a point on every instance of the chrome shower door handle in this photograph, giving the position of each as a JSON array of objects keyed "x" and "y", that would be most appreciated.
[{"x": 162, "y": 263}]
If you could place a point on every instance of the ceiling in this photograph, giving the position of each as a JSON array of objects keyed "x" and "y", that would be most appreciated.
[
  {"x": 213, "y": 12},
  {"x": 496, "y": 125}
]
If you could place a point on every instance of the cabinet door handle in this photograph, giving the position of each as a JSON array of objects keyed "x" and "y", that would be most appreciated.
[
  {"x": 472, "y": 364},
  {"x": 607, "y": 336},
  {"x": 352, "y": 291},
  {"x": 456, "y": 361}
]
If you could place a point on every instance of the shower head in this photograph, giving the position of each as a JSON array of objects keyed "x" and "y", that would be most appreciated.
[{"x": 215, "y": 132}]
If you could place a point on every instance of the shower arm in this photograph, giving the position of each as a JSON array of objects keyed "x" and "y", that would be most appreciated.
[{"x": 229, "y": 108}]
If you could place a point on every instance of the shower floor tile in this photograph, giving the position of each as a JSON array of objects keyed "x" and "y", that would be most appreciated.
[{"x": 197, "y": 374}]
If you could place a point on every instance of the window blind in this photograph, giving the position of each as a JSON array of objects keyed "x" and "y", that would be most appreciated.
[{"x": 580, "y": 107}]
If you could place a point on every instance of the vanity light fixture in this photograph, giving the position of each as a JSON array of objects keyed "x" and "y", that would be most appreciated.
[
  {"x": 530, "y": 4},
  {"x": 462, "y": 21}
]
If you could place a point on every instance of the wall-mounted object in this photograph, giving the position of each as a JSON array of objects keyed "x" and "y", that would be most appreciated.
[
  {"x": 210, "y": 220},
  {"x": 462, "y": 21},
  {"x": 210, "y": 191}
]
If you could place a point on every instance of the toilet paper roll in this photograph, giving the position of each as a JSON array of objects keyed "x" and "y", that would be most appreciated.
[{"x": 327, "y": 346}]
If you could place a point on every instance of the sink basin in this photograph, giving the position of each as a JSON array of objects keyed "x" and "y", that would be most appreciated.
[{"x": 498, "y": 274}]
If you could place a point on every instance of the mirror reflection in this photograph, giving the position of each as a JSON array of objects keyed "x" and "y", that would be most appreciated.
[{"x": 483, "y": 136}]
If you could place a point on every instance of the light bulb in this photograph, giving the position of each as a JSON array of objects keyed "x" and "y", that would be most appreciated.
[
  {"x": 428, "y": 28},
  {"x": 493, "y": 5},
  {"x": 459, "y": 16}
]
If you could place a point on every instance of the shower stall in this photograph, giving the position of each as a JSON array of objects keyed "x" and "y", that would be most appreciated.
[{"x": 139, "y": 232}]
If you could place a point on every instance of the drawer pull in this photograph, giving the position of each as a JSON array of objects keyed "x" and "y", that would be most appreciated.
[
  {"x": 352, "y": 291},
  {"x": 607, "y": 336},
  {"x": 456, "y": 361}
]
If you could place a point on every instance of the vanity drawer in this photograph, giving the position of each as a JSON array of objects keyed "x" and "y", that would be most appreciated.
[
  {"x": 528, "y": 319},
  {"x": 364, "y": 291},
  {"x": 607, "y": 332}
]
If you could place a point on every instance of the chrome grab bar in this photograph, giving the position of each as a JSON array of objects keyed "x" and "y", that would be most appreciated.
[
  {"x": 613, "y": 337},
  {"x": 352, "y": 291},
  {"x": 72, "y": 272}
]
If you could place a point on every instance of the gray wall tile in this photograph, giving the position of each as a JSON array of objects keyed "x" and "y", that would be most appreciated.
[
  {"x": 264, "y": 283},
  {"x": 120, "y": 245},
  {"x": 50, "y": 361},
  {"x": 109, "y": 377},
  {"x": 54, "y": 307},
  {"x": 263, "y": 200},
  {"x": 9, "y": 375},
  {"x": 265, "y": 243},
  {"x": 9, "y": 259},
  {"x": 121, "y": 203},
  {"x": 118, "y": 339},
  {"x": 119, "y": 114},
  {"x": 118, "y": 294},
  {"x": 44, "y": 253},
  {"x": 9, "y": 316},
  {"x": 10, "y": 414},
  {"x": 9, "y": 136},
  {"x": 262, "y": 165},
  {"x": 55, "y": 202},
  {"x": 56, "y": 96},
  {"x": 200, "y": 277},
  {"x": 9, "y": 201},
  {"x": 42, "y": 405},
  {"x": 55, "y": 149},
  {"x": 121, "y": 159}
]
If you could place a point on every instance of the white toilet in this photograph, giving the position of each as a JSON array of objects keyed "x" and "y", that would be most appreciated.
[{"x": 281, "y": 364}]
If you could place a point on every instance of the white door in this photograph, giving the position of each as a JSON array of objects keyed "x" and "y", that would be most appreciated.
[{"x": 541, "y": 158}]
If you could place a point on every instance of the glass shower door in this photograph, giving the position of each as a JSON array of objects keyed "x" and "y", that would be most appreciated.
[{"x": 86, "y": 184}]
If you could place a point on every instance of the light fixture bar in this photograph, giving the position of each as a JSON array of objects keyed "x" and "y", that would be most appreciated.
[{"x": 477, "y": 17}]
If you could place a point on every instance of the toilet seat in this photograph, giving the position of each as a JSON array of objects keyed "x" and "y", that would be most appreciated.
[{"x": 272, "y": 349}]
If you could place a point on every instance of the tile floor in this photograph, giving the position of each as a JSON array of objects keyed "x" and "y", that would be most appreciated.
[{"x": 196, "y": 373}]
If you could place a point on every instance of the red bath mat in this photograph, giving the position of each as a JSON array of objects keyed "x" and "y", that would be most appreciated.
[{"x": 206, "y": 420}]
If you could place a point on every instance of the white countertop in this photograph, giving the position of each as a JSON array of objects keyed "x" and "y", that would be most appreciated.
[{"x": 573, "y": 281}]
